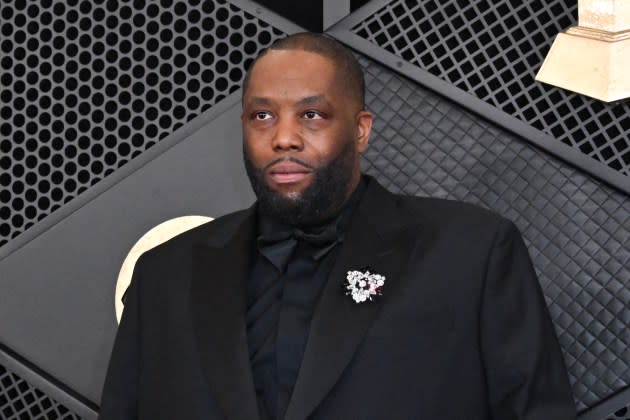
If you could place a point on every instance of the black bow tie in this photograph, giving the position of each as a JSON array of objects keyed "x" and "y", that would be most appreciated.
[{"x": 278, "y": 247}]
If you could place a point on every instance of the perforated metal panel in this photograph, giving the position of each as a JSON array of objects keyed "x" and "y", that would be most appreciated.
[
  {"x": 21, "y": 401},
  {"x": 492, "y": 50},
  {"x": 89, "y": 85},
  {"x": 577, "y": 230}
]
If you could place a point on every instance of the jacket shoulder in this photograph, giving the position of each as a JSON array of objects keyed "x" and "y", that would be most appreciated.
[
  {"x": 461, "y": 221},
  {"x": 448, "y": 210},
  {"x": 214, "y": 230}
]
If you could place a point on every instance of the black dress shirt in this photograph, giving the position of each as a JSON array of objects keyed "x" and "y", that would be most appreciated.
[{"x": 288, "y": 274}]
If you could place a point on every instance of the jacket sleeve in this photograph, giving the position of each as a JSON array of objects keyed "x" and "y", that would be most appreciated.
[
  {"x": 119, "y": 400},
  {"x": 525, "y": 372}
]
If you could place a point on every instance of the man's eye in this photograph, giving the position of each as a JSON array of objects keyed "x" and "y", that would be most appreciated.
[
  {"x": 262, "y": 115},
  {"x": 312, "y": 115}
]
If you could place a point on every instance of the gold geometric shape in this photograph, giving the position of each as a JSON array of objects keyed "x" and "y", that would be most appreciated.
[
  {"x": 593, "y": 58},
  {"x": 605, "y": 15},
  {"x": 154, "y": 237}
]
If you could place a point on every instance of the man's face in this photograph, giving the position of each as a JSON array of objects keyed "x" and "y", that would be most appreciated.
[{"x": 302, "y": 135}]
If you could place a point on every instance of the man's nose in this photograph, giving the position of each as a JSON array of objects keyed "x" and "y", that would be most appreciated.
[{"x": 287, "y": 136}]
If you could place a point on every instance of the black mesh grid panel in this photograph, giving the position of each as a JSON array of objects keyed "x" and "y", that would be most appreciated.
[
  {"x": 21, "y": 401},
  {"x": 492, "y": 50},
  {"x": 88, "y": 85},
  {"x": 577, "y": 230}
]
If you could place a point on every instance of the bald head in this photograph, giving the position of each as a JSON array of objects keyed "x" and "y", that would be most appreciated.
[{"x": 348, "y": 68}]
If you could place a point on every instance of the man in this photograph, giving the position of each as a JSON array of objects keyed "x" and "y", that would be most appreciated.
[{"x": 332, "y": 298}]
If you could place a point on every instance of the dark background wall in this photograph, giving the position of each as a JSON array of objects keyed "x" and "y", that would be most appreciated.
[{"x": 117, "y": 116}]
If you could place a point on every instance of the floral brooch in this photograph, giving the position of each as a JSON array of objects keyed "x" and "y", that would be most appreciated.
[{"x": 363, "y": 286}]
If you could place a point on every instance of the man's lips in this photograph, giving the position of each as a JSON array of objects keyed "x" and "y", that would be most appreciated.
[{"x": 288, "y": 172}]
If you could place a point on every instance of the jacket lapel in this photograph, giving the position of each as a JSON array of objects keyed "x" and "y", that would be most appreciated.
[
  {"x": 378, "y": 241},
  {"x": 218, "y": 306}
]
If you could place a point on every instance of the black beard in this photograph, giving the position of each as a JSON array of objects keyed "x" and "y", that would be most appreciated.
[{"x": 319, "y": 201}]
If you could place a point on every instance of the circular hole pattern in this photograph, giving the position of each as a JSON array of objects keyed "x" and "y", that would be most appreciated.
[{"x": 87, "y": 86}]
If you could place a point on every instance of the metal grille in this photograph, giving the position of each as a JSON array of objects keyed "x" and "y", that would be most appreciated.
[
  {"x": 89, "y": 85},
  {"x": 577, "y": 230},
  {"x": 492, "y": 50},
  {"x": 21, "y": 401}
]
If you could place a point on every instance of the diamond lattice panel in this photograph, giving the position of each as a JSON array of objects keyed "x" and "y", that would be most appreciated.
[
  {"x": 88, "y": 85},
  {"x": 577, "y": 230},
  {"x": 21, "y": 401},
  {"x": 493, "y": 49}
]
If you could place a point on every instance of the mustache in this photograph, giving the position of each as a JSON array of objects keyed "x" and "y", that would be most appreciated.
[{"x": 288, "y": 159}]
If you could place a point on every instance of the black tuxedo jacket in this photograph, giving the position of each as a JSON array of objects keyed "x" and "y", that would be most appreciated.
[{"x": 460, "y": 332}]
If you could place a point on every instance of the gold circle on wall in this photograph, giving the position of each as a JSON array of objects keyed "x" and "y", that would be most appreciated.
[{"x": 154, "y": 237}]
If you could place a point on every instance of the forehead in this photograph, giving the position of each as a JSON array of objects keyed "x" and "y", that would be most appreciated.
[{"x": 281, "y": 73}]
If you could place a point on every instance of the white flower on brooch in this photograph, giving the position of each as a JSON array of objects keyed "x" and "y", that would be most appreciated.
[{"x": 363, "y": 286}]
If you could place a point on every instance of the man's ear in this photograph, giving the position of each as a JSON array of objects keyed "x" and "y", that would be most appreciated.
[{"x": 364, "y": 128}]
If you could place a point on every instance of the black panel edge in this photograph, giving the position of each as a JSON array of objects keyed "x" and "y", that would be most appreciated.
[
  {"x": 607, "y": 407},
  {"x": 342, "y": 33},
  {"x": 335, "y": 11},
  {"x": 44, "y": 382},
  {"x": 267, "y": 16},
  {"x": 123, "y": 172}
]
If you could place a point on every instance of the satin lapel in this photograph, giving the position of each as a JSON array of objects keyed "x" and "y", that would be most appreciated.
[
  {"x": 376, "y": 241},
  {"x": 218, "y": 304}
]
